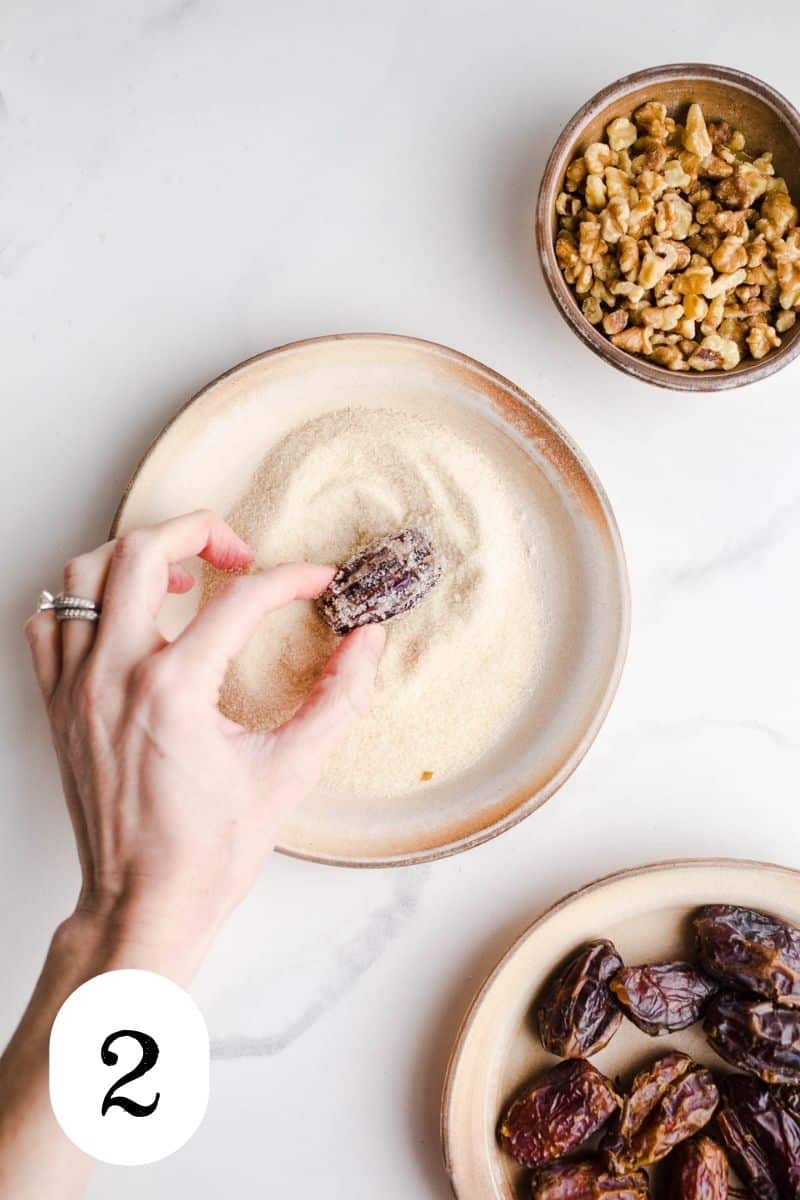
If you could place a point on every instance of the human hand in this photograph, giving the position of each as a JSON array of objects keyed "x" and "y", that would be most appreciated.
[{"x": 175, "y": 807}]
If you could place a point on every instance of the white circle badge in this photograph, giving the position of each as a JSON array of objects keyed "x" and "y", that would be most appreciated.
[{"x": 129, "y": 1067}]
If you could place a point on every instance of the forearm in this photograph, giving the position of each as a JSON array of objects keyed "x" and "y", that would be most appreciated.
[
  {"x": 174, "y": 806},
  {"x": 36, "y": 1157}
]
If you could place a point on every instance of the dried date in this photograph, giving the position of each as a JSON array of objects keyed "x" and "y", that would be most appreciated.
[
  {"x": 735, "y": 1130},
  {"x": 750, "y": 950},
  {"x": 389, "y": 578},
  {"x": 662, "y": 997},
  {"x": 576, "y": 1015},
  {"x": 558, "y": 1113},
  {"x": 699, "y": 1171},
  {"x": 587, "y": 1180},
  {"x": 761, "y": 1137},
  {"x": 670, "y": 1101},
  {"x": 756, "y": 1036}
]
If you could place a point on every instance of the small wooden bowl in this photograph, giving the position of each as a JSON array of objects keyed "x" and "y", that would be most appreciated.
[{"x": 768, "y": 121}]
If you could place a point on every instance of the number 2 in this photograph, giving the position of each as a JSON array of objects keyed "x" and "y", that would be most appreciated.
[{"x": 148, "y": 1060}]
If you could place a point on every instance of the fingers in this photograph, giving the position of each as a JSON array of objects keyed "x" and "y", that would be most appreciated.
[
  {"x": 59, "y": 649},
  {"x": 180, "y": 580},
  {"x": 342, "y": 695},
  {"x": 220, "y": 630},
  {"x": 145, "y": 564},
  {"x": 83, "y": 576},
  {"x": 44, "y": 640}
]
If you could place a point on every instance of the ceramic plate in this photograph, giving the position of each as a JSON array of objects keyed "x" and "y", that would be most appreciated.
[
  {"x": 646, "y": 913},
  {"x": 206, "y": 457}
]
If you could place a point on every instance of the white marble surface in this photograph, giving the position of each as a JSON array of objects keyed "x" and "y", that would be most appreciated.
[{"x": 183, "y": 184}]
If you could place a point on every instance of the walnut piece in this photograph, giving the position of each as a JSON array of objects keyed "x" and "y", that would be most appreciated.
[
  {"x": 674, "y": 217},
  {"x": 597, "y": 157},
  {"x": 723, "y": 351},
  {"x": 621, "y": 133},
  {"x": 760, "y": 339},
  {"x": 636, "y": 339},
  {"x": 696, "y": 138},
  {"x": 615, "y": 322},
  {"x": 671, "y": 357},
  {"x": 729, "y": 255},
  {"x": 651, "y": 118},
  {"x": 592, "y": 309},
  {"x": 592, "y": 246}
]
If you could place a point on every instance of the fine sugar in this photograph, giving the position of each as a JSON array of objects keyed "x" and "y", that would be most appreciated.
[{"x": 458, "y": 669}]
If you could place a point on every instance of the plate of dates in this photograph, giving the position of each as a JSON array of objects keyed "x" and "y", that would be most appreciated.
[{"x": 642, "y": 1038}]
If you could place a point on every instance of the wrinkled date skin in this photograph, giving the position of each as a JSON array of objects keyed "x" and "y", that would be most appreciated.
[
  {"x": 669, "y": 1102},
  {"x": 662, "y": 997},
  {"x": 699, "y": 1171},
  {"x": 587, "y": 1181},
  {"x": 756, "y": 1036},
  {"x": 389, "y": 578},
  {"x": 789, "y": 1098},
  {"x": 576, "y": 1015},
  {"x": 750, "y": 950},
  {"x": 560, "y": 1111},
  {"x": 761, "y": 1136},
  {"x": 735, "y": 1130}
]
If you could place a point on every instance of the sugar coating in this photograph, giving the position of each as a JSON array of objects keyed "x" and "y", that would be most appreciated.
[
  {"x": 456, "y": 670},
  {"x": 384, "y": 581}
]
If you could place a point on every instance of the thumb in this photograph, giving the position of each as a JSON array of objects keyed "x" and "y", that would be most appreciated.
[{"x": 341, "y": 696}]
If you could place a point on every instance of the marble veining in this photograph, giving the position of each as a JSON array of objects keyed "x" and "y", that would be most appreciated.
[
  {"x": 170, "y": 16},
  {"x": 745, "y": 550},
  {"x": 696, "y": 724},
  {"x": 351, "y": 961}
]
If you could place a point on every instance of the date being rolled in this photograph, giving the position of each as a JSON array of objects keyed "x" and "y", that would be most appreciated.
[{"x": 388, "y": 578}]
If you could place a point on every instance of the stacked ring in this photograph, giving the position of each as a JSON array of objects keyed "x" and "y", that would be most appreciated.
[{"x": 69, "y": 608}]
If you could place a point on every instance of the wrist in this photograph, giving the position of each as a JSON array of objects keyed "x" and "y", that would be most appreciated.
[
  {"x": 129, "y": 933},
  {"x": 90, "y": 941}
]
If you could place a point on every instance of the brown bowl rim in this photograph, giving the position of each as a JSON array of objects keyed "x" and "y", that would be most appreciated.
[
  {"x": 670, "y": 864},
  {"x": 531, "y": 797},
  {"x": 711, "y": 381}
]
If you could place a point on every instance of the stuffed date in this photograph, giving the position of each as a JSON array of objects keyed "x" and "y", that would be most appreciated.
[
  {"x": 761, "y": 1137},
  {"x": 750, "y": 950},
  {"x": 388, "y": 578},
  {"x": 756, "y": 1036},
  {"x": 699, "y": 1171},
  {"x": 662, "y": 997},
  {"x": 587, "y": 1180},
  {"x": 576, "y": 1015},
  {"x": 669, "y": 1102},
  {"x": 557, "y": 1113}
]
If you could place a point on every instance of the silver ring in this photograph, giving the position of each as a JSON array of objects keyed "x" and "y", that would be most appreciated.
[
  {"x": 77, "y": 614},
  {"x": 69, "y": 608},
  {"x": 66, "y": 601}
]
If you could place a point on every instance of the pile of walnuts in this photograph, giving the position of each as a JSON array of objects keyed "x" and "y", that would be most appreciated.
[{"x": 680, "y": 245}]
